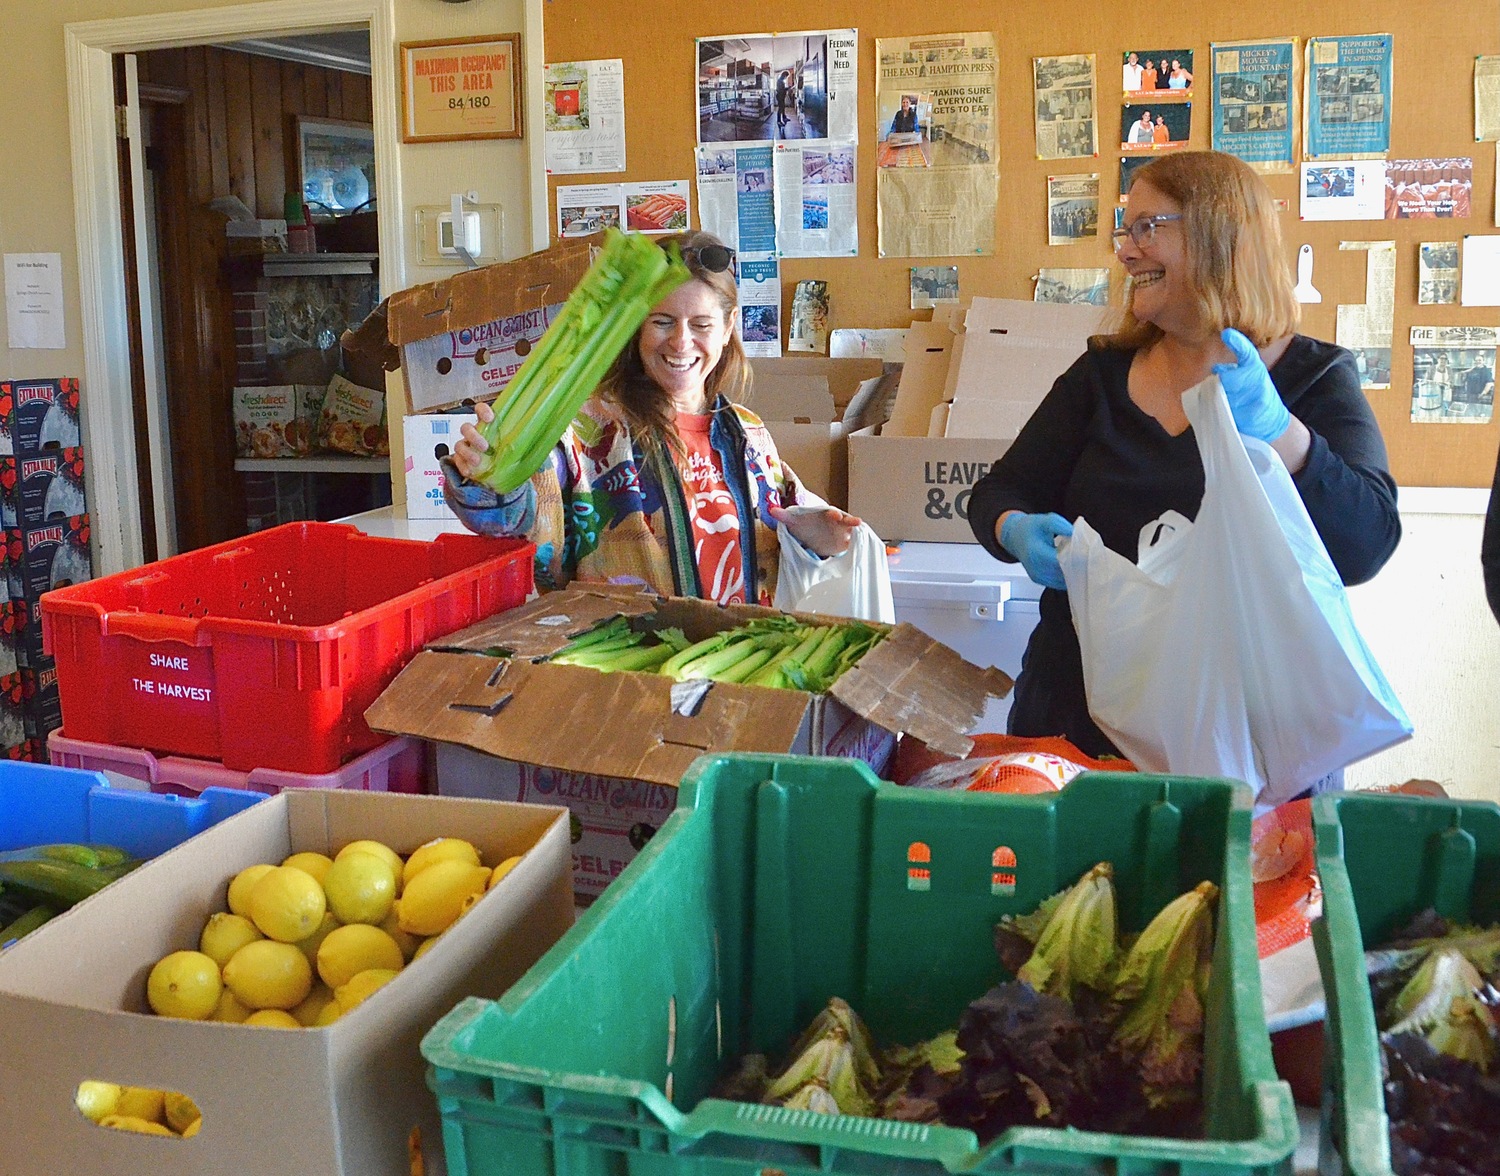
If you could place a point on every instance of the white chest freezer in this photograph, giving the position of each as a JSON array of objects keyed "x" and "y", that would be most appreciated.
[{"x": 959, "y": 594}]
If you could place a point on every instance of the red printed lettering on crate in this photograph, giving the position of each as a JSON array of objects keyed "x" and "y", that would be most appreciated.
[
  {"x": 26, "y": 393},
  {"x": 31, "y": 466},
  {"x": 638, "y": 794},
  {"x": 35, "y": 539},
  {"x": 587, "y": 863},
  {"x": 46, "y": 677}
]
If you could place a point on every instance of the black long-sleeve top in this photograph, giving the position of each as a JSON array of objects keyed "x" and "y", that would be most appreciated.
[
  {"x": 1489, "y": 547},
  {"x": 1090, "y": 451}
]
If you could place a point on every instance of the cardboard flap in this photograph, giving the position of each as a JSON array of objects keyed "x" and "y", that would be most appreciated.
[
  {"x": 478, "y": 296},
  {"x": 543, "y": 626},
  {"x": 577, "y": 719},
  {"x": 911, "y": 684},
  {"x": 791, "y": 397},
  {"x": 923, "y": 375}
]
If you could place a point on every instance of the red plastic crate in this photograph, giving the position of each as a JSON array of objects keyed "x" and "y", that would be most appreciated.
[
  {"x": 400, "y": 765},
  {"x": 264, "y": 652}
]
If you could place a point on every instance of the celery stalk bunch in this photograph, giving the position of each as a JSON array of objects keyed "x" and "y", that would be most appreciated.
[
  {"x": 779, "y": 652},
  {"x": 597, "y": 322}
]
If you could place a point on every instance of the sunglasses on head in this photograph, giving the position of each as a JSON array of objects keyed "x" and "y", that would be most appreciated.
[{"x": 714, "y": 259}]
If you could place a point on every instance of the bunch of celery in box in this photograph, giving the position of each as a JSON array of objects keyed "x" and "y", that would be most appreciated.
[
  {"x": 630, "y": 276},
  {"x": 780, "y": 652},
  {"x": 1093, "y": 1033}
]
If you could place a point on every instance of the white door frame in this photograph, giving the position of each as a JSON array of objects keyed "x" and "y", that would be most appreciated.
[{"x": 108, "y": 422}]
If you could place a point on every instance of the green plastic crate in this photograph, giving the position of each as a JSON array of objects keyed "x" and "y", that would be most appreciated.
[
  {"x": 1383, "y": 859},
  {"x": 781, "y": 881}
]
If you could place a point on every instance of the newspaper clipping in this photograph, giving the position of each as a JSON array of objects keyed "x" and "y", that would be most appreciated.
[
  {"x": 1073, "y": 285},
  {"x": 1067, "y": 124},
  {"x": 809, "y": 328},
  {"x": 1437, "y": 273},
  {"x": 1486, "y": 99},
  {"x": 1072, "y": 208},
  {"x": 1254, "y": 90},
  {"x": 1453, "y": 374},
  {"x": 759, "y": 88},
  {"x": 933, "y": 285},
  {"x": 1348, "y": 106},
  {"x": 816, "y": 214},
  {"x": 584, "y": 116},
  {"x": 760, "y": 304},
  {"x": 1365, "y": 328},
  {"x": 736, "y": 197},
  {"x": 936, "y": 147}
]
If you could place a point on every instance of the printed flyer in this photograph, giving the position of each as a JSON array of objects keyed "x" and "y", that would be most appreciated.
[
  {"x": 1348, "y": 104},
  {"x": 816, "y": 215},
  {"x": 736, "y": 197},
  {"x": 759, "y": 277},
  {"x": 768, "y": 88},
  {"x": 583, "y": 126},
  {"x": 1254, "y": 114},
  {"x": 936, "y": 145}
]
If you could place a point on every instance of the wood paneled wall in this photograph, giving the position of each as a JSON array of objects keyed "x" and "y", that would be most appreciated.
[{"x": 231, "y": 136}]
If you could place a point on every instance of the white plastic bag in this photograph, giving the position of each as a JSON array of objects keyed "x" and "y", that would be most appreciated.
[
  {"x": 1230, "y": 650},
  {"x": 855, "y": 584}
]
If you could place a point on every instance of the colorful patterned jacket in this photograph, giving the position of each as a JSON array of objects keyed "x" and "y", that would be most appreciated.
[{"x": 600, "y": 510}]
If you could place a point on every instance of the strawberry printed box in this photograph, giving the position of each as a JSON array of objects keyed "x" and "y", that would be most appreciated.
[
  {"x": 38, "y": 414},
  {"x": 50, "y": 485},
  {"x": 56, "y": 554}
]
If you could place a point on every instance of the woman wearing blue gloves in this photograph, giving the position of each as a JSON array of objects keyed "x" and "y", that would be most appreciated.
[{"x": 1210, "y": 293}]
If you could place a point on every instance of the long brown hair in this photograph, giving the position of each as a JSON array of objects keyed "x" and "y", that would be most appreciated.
[
  {"x": 646, "y": 409},
  {"x": 1238, "y": 271}
]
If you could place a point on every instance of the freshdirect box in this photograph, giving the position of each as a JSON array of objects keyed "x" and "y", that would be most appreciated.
[
  {"x": 276, "y": 1102},
  {"x": 613, "y": 747}
]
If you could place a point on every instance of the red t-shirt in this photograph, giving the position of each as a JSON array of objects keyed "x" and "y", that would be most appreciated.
[{"x": 716, "y": 526}]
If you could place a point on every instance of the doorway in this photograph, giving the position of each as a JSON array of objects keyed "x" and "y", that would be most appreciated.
[
  {"x": 247, "y": 332},
  {"x": 121, "y": 518}
]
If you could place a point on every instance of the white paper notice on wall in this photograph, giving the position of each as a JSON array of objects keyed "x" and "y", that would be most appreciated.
[
  {"x": 1479, "y": 273},
  {"x": 33, "y": 300}
]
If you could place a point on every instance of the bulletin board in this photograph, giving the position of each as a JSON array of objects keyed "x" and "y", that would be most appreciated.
[{"x": 1432, "y": 116}]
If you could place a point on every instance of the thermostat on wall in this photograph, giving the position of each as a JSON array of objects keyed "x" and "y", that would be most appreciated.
[{"x": 471, "y": 242}]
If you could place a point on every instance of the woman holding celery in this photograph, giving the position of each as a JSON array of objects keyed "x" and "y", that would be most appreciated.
[{"x": 662, "y": 479}]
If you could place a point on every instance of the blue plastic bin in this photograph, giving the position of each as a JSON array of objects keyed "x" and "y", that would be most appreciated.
[{"x": 42, "y": 805}]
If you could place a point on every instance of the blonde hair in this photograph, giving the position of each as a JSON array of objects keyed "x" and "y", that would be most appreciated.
[
  {"x": 646, "y": 409},
  {"x": 1236, "y": 266}
]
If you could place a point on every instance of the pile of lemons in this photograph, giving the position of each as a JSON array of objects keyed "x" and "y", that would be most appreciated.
[
  {"x": 307, "y": 941},
  {"x": 139, "y": 1109}
]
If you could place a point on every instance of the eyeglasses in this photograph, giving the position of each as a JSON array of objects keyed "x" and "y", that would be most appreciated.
[
  {"x": 714, "y": 259},
  {"x": 1142, "y": 230}
]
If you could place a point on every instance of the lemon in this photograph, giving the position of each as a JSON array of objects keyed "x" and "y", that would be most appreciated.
[
  {"x": 317, "y": 1000},
  {"x": 360, "y": 888},
  {"x": 224, "y": 934},
  {"x": 504, "y": 868},
  {"x": 309, "y": 946},
  {"x": 181, "y": 1111},
  {"x": 360, "y": 988},
  {"x": 130, "y": 1123},
  {"x": 312, "y": 863},
  {"x": 424, "y": 947},
  {"x": 192, "y": 1129},
  {"x": 184, "y": 984},
  {"x": 97, "y": 1099},
  {"x": 435, "y": 897},
  {"x": 287, "y": 904},
  {"x": 230, "y": 1010},
  {"x": 141, "y": 1102},
  {"x": 380, "y": 850},
  {"x": 355, "y": 948},
  {"x": 269, "y": 975},
  {"x": 439, "y": 849},
  {"x": 331, "y": 1013},
  {"x": 407, "y": 943},
  {"x": 273, "y": 1019},
  {"x": 243, "y": 883}
]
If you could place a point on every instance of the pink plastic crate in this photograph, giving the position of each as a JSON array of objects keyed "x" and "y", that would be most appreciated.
[{"x": 399, "y": 765}]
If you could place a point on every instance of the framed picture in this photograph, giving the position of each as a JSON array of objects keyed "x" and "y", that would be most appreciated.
[
  {"x": 335, "y": 164},
  {"x": 461, "y": 89}
]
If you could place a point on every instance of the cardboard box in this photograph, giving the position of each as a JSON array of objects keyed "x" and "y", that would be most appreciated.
[
  {"x": 57, "y": 554},
  {"x": 603, "y": 735},
  {"x": 463, "y": 338},
  {"x": 427, "y": 437},
  {"x": 343, "y": 1099},
  {"x": 38, "y": 414},
  {"x": 51, "y": 486},
  {"x": 917, "y": 488}
]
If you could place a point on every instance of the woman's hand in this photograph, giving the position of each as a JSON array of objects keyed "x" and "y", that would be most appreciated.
[
  {"x": 468, "y": 453},
  {"x": 825, "y": 531},
  {"x": 1257, "y": 406}
]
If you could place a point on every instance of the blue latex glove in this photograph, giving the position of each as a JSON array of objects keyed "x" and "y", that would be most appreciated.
[
  {"x": 1253, "y": 399},
  {"x": 1030, "y": 538}
]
